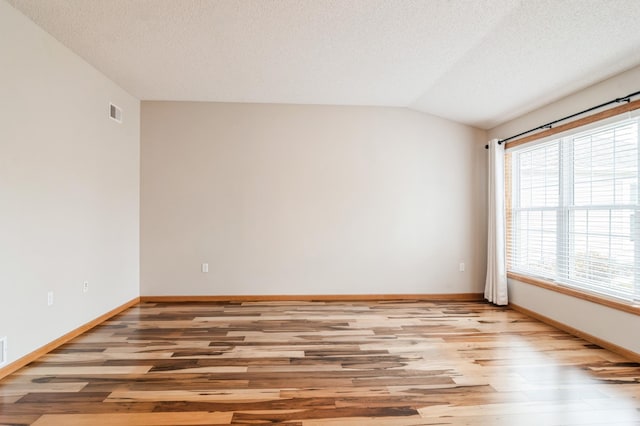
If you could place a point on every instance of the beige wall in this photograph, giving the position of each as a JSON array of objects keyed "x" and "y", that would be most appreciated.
[
  {"x": 308, "y": 200},
  {"x": 69, "y": 187},
  {"x": 600, "y": 321}
]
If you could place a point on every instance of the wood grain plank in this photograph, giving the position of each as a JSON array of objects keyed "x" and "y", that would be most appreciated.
[
  {"x": 329, "y": 362},
  {"x": 135, "y": 419}
]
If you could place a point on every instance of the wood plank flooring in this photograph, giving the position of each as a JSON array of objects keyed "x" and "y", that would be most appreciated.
[{"x": 324, "y": 363}]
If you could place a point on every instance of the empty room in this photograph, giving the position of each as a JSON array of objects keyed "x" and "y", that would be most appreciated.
[{"x": 320, "y": 212}]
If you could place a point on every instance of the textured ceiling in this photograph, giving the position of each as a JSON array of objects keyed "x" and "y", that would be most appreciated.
[{"x": 479, "y": 62}]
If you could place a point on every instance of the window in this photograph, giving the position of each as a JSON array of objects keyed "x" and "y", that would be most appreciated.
[{"x": 572, "y": 209}]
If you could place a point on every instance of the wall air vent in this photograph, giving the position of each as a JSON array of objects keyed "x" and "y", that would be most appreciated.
[
  {"x": 3, "y": 351},
  {"x": 115, "y": 113}
]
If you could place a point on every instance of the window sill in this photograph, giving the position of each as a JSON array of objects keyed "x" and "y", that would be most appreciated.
[{"x": 591, "y": 297}]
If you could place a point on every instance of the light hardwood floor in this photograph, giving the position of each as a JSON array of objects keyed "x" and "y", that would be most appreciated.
[{"x": 324, "y": 363}]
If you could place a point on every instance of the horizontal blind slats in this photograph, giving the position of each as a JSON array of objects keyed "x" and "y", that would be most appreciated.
[{"x": 573, "y": 210}]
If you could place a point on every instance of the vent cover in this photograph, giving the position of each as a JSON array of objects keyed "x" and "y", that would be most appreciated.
[
  {"x": 115, "y": 113},
  {"x": 3, "y": 351}
]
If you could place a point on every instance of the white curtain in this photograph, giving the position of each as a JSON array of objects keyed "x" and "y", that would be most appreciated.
[{"x": 495, "y": 290}]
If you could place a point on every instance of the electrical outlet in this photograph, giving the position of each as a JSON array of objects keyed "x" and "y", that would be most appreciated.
[
  {"x": 461, "y": 266},
  {"x": 50, "y": 298},
  {"x": 85, "y": 286},
  {"x": 205, "y": 267},
  {"x": 3, "y": 351}
]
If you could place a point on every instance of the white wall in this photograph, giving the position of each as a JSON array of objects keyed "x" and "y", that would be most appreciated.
[
  {"x": 618, "y": 327},
  {"x": 285, "y": 199},
  {"x": 69, "y": 189},
  {"x": 606, "y": 323}
]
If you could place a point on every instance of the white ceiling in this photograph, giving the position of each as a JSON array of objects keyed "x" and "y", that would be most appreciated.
[{"x": 479, "y": 62}]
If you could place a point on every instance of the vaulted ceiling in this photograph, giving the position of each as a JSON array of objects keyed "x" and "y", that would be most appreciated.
[{"x": 478, "y": 62}]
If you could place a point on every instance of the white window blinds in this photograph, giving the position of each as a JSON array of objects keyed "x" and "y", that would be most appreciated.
[{"x": 572, "y": 209}]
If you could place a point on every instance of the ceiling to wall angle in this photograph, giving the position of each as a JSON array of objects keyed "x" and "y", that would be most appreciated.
[{"x": 479, "y": 62}]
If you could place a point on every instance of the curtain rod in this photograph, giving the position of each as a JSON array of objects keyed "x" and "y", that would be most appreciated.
[{"x": 551, "y": 123}]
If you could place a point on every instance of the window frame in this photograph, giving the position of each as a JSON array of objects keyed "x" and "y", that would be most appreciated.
[{"x": 581, "y": 291}]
